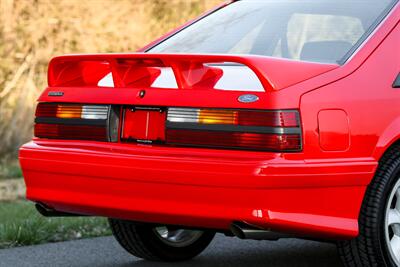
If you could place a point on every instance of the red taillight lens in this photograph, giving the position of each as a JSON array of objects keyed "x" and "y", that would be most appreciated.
[
  {"x": 273, "y": 142},
  {"x": 71, "y": 121},
  {"x": 245, "y": 129},
  {"x": 269, "y": 119},
  {"x": 72, "y": 132}
]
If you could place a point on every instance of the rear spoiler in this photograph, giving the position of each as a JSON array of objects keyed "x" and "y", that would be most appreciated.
[{"x": 191, "y": 71}]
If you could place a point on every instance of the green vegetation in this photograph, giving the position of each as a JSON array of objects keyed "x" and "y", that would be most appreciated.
[
  {"x": 21, "y": 225},
  {"x": 31, "y": 33}
]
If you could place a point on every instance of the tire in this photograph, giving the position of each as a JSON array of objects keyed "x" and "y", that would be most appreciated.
[
  {"x": 372, "y": 246},
  {"x": 144, "y": 241}
]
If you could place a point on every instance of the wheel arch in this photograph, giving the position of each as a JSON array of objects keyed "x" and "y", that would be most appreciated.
[{"x": 389, "y": 139}]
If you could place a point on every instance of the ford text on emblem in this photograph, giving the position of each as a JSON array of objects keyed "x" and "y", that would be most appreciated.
[
  {"x": 55, "y": 93},
  {"x": 248, "y": 98}
]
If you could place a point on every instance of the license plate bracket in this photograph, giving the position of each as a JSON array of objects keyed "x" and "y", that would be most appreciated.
[{"x": 144, "y": 125}]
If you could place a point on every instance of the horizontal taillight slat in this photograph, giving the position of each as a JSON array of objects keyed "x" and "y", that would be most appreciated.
[
  {"x": 256, "y": 141},
  {"x": 73, "y": 132}
]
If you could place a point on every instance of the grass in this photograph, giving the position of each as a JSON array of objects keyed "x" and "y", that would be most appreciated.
[
  {"x": 21, "y": 225},
  {"x": 31, "y": 33}
]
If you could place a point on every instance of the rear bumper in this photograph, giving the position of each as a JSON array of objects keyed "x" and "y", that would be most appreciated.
[{"x": 198, "y": 187}]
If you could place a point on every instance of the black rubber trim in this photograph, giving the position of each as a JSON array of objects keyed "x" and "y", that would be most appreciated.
[
  {"x": 396, "y": 83},
  {"x": 231, "y": 128},
  {"x": 85, "y": 122}
]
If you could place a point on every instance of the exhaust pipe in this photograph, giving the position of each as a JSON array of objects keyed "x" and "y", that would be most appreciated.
[
  {"x": 50, "y": 212},
  {"x": 244, "y": 230}
]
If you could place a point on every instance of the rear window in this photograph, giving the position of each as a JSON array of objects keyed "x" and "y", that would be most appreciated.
[{"x": 324, "y": 31}]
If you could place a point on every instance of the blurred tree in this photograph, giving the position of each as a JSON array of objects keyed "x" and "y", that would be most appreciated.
[{"x": 31, "y": 32}]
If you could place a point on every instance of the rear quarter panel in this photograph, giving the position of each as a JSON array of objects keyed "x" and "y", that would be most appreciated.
[{"x": 368, "y": 99}]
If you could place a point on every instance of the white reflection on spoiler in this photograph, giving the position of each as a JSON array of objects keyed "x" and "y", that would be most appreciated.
[
  {"x": 107, "y": 81},
  {"x": 235, "y": 78}
]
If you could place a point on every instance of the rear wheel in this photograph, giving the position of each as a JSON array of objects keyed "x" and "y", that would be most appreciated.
[
  {"x": 160, "y": 243},
  {"x": 378, "y": 243}
]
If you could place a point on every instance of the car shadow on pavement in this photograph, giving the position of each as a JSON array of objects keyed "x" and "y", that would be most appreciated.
[
  {"x": 223, "y": 251},
  {"x": 291, "y": 252}
]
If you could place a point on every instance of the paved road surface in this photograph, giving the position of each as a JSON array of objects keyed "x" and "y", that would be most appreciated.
[{"x": 224, "y": 252}]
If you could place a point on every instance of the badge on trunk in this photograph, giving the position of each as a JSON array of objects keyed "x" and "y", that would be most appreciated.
[
  {"x": 248, "y": 98},
  {"x": 53, "y": 93}
]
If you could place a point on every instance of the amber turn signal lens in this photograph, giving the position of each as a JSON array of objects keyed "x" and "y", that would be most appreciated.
[
  {"x": 69, "y": 112},
  {"x": 209, "y": 116}
]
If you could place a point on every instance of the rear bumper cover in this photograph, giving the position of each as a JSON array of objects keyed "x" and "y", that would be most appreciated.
[{"x": 198, "y": 187}]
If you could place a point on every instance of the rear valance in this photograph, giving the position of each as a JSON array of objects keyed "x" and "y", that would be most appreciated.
[{"x": 141, "y": 70}]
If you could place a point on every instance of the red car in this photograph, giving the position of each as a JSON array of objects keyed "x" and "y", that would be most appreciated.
[{"x": 260, "y": 119}]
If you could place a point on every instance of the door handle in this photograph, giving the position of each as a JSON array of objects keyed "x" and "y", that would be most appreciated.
[{"x": 396, "y": 83}]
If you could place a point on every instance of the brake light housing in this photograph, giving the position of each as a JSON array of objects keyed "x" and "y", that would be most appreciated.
[
  {"x": 76, "y": 122},
  {"x": 238, "y": 129},
  {"x": 264, "y": 130}
]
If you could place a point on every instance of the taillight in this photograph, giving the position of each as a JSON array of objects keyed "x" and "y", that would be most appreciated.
[
  {"x": 278, "y": 130},
  {"x": 244, "y": 129},
  {"x": 72, "y": 121},
  {"x": 71, "y": 111}
]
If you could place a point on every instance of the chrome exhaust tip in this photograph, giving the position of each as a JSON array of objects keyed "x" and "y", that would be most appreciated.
[{"x": 244, "y": 230}]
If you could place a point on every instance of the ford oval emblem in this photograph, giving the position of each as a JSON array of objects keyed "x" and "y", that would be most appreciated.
[{"x": 248, "y": 98}]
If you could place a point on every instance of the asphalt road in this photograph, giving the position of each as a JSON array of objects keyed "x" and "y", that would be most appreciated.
[{"x": 224, "y": 251}]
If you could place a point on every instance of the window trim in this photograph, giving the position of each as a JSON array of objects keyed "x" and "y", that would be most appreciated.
[{"x": 368, "y": 34}]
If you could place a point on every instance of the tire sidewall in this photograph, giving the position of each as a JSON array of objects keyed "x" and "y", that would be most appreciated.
[
  {"x": 393, "y": 172},
  {"x": 170, "y": 253}
]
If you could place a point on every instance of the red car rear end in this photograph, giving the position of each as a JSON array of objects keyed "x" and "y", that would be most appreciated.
[{"x": 222, "y": 128}]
